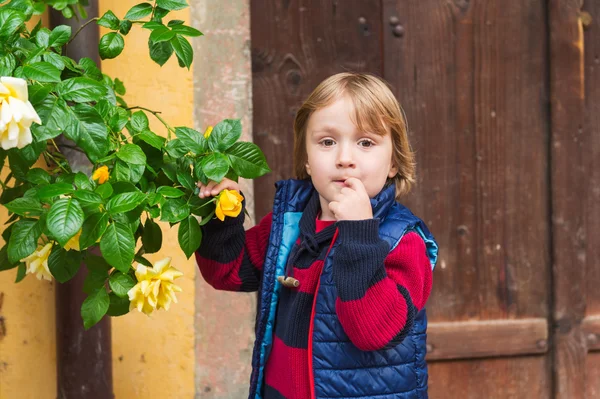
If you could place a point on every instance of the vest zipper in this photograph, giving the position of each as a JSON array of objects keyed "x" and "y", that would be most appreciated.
[{"x": 311, "y": 374}]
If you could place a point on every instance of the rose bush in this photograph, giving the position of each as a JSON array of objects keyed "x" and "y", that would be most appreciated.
[{"x": 58, "y": 215}]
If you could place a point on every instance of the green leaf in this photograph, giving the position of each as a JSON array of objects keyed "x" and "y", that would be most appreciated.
[
  {"x": 189, "y": 235},
  {"x": 118, "y": 246},
  {"x": 42, "y": 72},
  {"x": 23, "y": 239},
  {"x": 152, "y": 139},
  {"x": 93, "y": 228},
  {"x": 5, "y": 264},
  {"x": 118, "y": 306},
  {"x": 170, "y": 192},
  {"x": 186, "y": 31},
  {"x": 59, "y": 36},
  {"x": 152, "y": 25},
  {"x": 186, "y": 180},
  {"x": 25, "y": 206},
  {"x": 42, "y": 37},
  {"x": 21, "y": 272},
  {"x": 90, "y": 68},
  {"x": 111, "y": 45},
  {"x": 38, "y": 176},
  {"x": 160, "y": 52},
  {"x": 109, "y": 20},
  {"x": 125, "y": 26},
  {"x": 55, "y": 60},
  {"x": 125, "y": 202},
  {"x": 94, "y": 308},
  {"x": 105, "y": 190},
  {"x": 55, "y": 118},
  {"x": 83, "y": 181},
  {"x": 151, "y": 237},
  {"x": 132, "y": 154},
  {"x": 10, "y": 21},
  {"x": 95, "y": 279},
  {"x": 139, "y": 11},
  {"x": 247, "y": 160},
  {"x": 215, "y": 166},
  {"x": 63, "y": 265},
  {"x": 88, "y": 130},
  {"x": 65, "y": 219},
  {"x": 121, "y": 283},
  {"x": 225, "y": 134},
  {"x": 161, "y": 34},
  {"x": 121, "y": 172},
  {"x": 183, "y": 50},
  {"x": 87, "y": 196},
  {"x": 172, "y": 5},
  {"x": 193, "y": 140},
  {"x": 81, "y": 90},
  {"x": 139, "y": 121},
  {"x": 7, "y": 64},
  {"x": 54, "y": 190},
  {"x": 176, "y": 148},
  {"x": 174, "y": 210},
  {"x": 119, "y": 87}
]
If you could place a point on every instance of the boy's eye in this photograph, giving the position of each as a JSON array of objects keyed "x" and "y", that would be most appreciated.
[
  {"x": 327, "y": 142},
  {"x": 366, "y": 143}
]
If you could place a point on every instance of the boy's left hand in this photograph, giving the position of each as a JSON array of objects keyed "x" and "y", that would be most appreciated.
[{"x": 352, "y": 202}]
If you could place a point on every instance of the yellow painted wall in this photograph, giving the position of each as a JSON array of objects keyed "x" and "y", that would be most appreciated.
[
  {"x": 153, "y": 357},
  {"x": 28, "y": 348}
]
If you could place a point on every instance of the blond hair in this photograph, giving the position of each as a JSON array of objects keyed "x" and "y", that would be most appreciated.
[{"x": 375, "y": 109}]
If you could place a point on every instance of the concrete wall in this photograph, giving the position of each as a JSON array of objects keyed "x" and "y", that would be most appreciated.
[
  {"x": 201, "y": 347},
  {"x": 222, "y": 89}
]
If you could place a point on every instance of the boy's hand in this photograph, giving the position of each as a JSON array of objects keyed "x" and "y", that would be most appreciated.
[
  {"x": 352, "y": 202},
  {"x": 211, "y": 189}
]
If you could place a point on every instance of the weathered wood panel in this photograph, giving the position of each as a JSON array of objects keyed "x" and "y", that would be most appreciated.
[
  {"x": 490, "y": 338},
  {"x": 472, "y": 78},
  {"x": 570, "y": 142},
  {"x": 590, "y": 19},
  {"x": 295, "y": 45},
  {"x": 503, "y": 378}
]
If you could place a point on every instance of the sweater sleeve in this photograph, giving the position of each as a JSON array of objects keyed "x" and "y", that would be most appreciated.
[
  {"x": 379, "y": 292},
  {"x": 230, "y": 258}
]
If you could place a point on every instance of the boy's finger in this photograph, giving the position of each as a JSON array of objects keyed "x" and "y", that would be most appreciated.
[{"x": 355, "y": 184}]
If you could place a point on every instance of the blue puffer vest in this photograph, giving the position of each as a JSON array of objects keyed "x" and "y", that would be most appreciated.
[{"x": 339, "y": 369}]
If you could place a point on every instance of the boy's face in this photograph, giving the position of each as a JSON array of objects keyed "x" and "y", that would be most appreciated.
[{"x": 337, "y": 150}]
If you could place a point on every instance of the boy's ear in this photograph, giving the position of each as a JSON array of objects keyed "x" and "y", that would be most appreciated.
[
  {"x": 393, "y": 171},
  {"x": 308, "y": 168}
]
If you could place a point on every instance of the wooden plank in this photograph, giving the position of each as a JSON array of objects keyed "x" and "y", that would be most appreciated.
[
  {"x": 504, "y": 378},
  {"x": 569, "y": 143},
  {"x": 591, "y": 332},
  {"x": 471, "y": 77},
  {"x": 592, "y": 370},
  {"x": 490, "y": 338},
  {"x": 295, "y": 45}
]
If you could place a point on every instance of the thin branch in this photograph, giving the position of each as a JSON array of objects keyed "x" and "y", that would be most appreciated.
[
  {"x": 80, "y": 28},
  {"x": 156, "y": 114}
]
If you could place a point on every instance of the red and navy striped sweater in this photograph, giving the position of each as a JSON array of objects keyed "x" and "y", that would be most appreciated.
[{"x": 379, "y": 292}]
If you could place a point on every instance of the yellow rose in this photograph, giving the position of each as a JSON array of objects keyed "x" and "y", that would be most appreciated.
[
  {"x": 208, "y": 131},
  {"x": 16, "y": 113},
  {"x": 73, "y": 243},
  {"x": 101, "y": 174},
  {"x": 229, "y": 203},
  {"x": 37, "y": 262},
  {"x": 155, "y": 288}
]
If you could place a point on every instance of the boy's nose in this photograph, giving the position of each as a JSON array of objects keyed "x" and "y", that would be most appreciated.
[{"x": 345, "y": 159}]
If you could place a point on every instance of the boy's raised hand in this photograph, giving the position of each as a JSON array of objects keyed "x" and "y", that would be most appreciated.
[
  {"x": 352, "y": 202},
  {"x": 212, "y": 188}
]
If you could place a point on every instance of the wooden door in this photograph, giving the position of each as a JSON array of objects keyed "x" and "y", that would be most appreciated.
[{"x": 503, "y": 105}]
